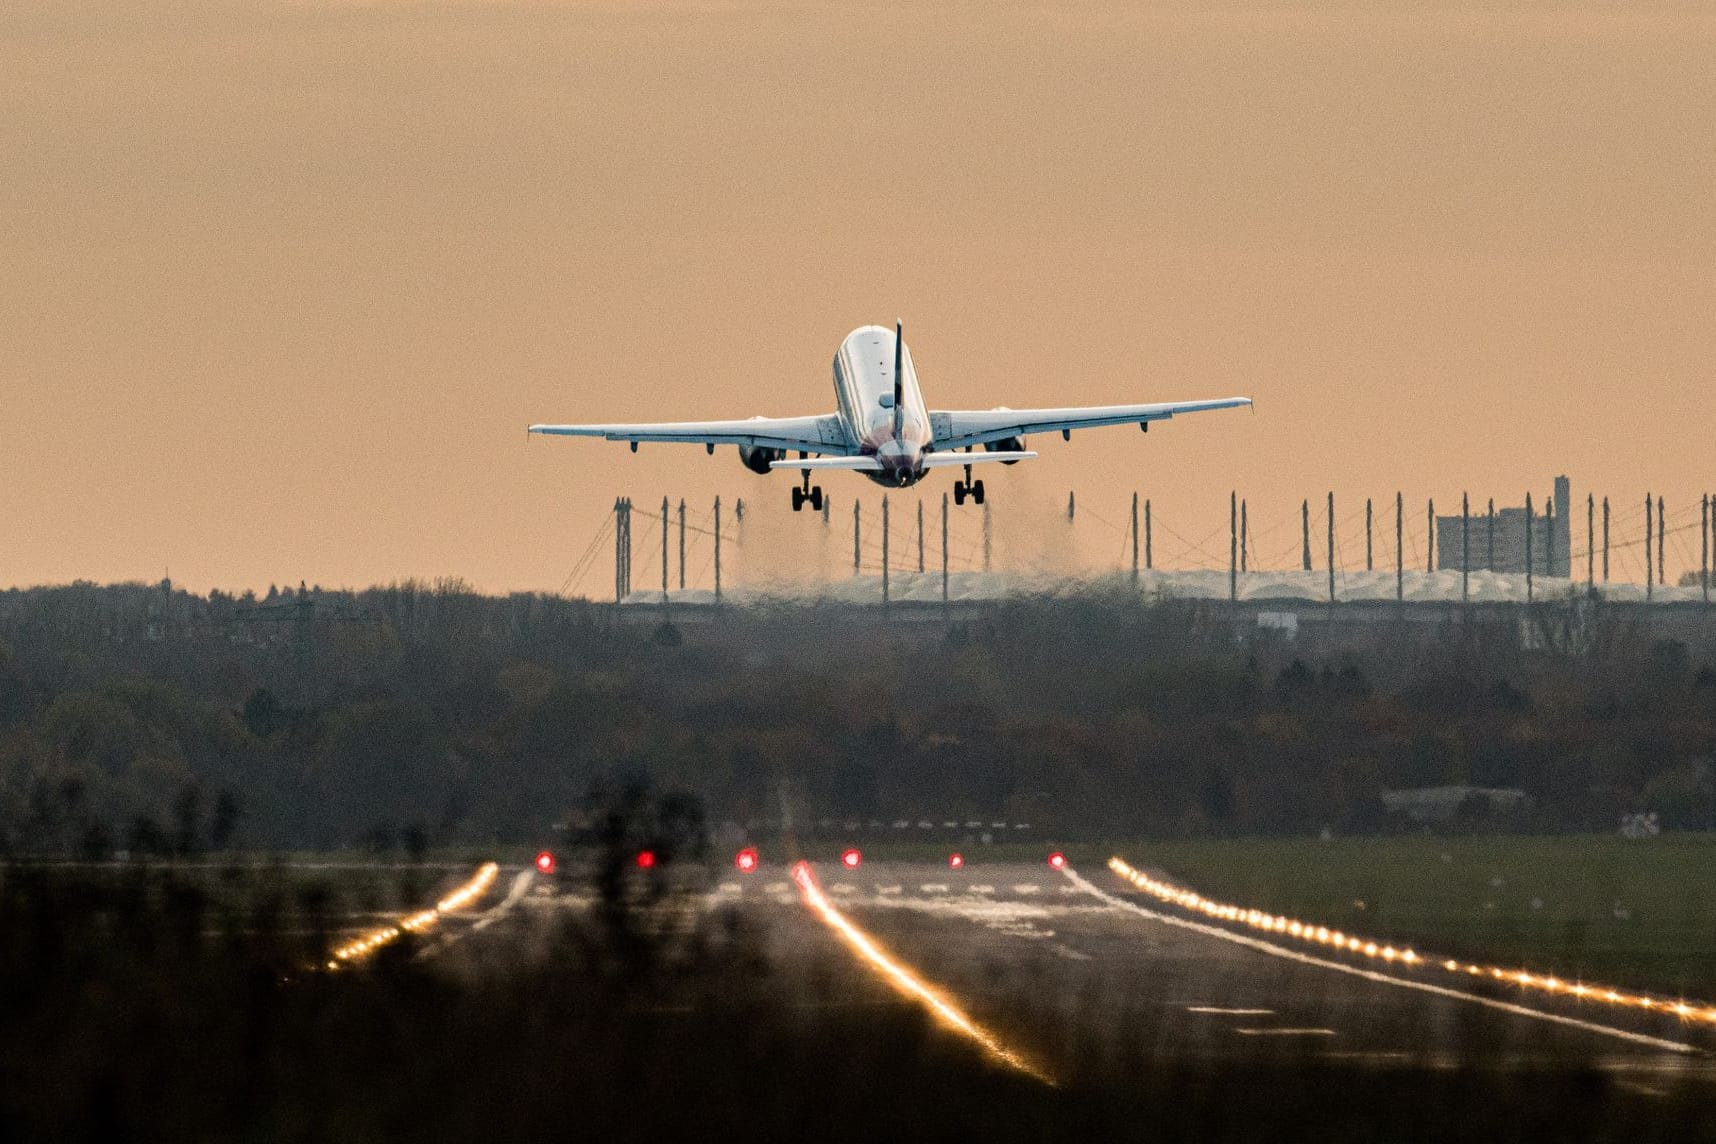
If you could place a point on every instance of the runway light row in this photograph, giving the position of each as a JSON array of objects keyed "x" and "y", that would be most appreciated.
[
  {"x": 901, "y": 978},
  {"x": 1349, "y": 943},
  {"x": 362, "y": 947}
]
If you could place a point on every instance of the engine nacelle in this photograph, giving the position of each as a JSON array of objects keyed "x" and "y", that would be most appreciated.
[
  {"x": 757, "y": 458},
  {"x": 1006, "y": 445}
]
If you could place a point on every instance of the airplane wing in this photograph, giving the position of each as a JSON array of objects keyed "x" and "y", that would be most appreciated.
[
  {"x": 958, "y": 428},
  {"x": 803, "y": 434}
]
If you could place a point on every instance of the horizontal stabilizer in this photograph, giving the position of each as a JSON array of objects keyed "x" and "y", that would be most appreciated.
[
  {"x": 946, "y": 460},
  {"x": 858, "y": 464}
]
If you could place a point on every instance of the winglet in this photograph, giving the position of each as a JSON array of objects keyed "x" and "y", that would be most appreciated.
[{"x": 899, "y": 375}]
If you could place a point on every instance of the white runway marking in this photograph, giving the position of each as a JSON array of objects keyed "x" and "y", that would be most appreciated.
[
  {"x": 1216, "y": 1009},
  {"x": 1273, "y": 950},
  {"x": 981, "y": 890},
  {"x": 933, "y": 887},
  {"x": 888, "y": 889},
  {"x": 1024, "y": 888},
  {"x": 1285, "y": 1032}
]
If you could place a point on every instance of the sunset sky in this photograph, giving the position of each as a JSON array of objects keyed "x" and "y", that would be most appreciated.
[{"x": 285, "y": 282}]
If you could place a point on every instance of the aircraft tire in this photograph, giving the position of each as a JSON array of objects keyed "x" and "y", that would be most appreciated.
[
  {"x": 977, "y": 492},
  {"x": 798, "y": 500}
]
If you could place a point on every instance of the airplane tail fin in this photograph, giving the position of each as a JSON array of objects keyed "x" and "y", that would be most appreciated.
[{"x": 899, "y": 375}]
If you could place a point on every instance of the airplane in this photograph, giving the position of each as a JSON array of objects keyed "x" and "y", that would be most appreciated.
[{"x": 881, "y": 428}]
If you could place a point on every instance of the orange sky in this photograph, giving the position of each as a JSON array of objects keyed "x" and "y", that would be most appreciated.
[{"x": 285, "y": 282}]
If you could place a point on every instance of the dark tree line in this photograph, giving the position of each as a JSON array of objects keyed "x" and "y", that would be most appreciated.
[{"x": 147, "y": 719}]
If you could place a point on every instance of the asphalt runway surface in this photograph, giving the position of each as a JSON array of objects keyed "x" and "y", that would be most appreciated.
[{"x": 1080, "y": 974}]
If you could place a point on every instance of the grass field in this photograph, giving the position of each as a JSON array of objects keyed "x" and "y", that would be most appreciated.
[{"x": 1593, "y": 907}]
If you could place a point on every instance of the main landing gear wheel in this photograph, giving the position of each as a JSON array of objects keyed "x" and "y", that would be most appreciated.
[
  {"x": 808, "y": 495},
  {"x": 972, "y": 489}
]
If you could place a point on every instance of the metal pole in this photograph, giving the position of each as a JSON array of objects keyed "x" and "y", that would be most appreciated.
[
  {"x": 1135, "y": 538},
  {"x": 1149, "y": 562},
  {"x": 920, "y": 537},
  {"x": 625, "y": 548},
  {"x": 885, "y": 531},
  {"x": 1305, "y": 535},
  {"x": 1244, "y": 536},
  {"x": 1465, "y": 547},
  {"x": 1399, "y": 548},
  {"x": 944, "y": 548},
  {"x": 1605, "y": 540},
  {"x": 717, "y": 550},
  {"x": 1369, "y": 564},
  {"x": 857, "y": 536},
  {"x": 1590, "y": 543},
  {"x": 1430, "y": 536},
  {"x": 1331, "y": 546},
  {"x": 1549, "y": 531},
  {"x": 682, "y": 544},
  {"x": 664, "y": 550},
  {"x": 1490, "y": 537},
  {"x": 1528, "y": 548},
  {"x": 1704, "y": 546},
  {"x": 1661, "y": 537},
  {"x": 1650, "y": 572},
  {"x": 619, "y": 547},
  {"x": 1233, "y": 545}
]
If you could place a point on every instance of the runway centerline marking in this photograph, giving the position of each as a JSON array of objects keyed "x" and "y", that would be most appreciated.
[
  {"x": 1219, "y": 1011},
  {"x": 1285, "y": 1032},
  {"x": 1274, "y": 950}
]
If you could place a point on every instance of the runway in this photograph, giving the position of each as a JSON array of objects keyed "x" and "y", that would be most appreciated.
[{"x": 1088, "y": 978}]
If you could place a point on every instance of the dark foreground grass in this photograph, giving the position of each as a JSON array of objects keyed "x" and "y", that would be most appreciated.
[{"x": 1597, "y": 907}]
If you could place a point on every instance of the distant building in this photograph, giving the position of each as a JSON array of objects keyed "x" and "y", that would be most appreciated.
[{"x": 1504, "y": 549}]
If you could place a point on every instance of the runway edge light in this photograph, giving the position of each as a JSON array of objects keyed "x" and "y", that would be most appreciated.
[
  {"x": 545, "y": 863},
  {"x": 851, "y": 858},
  {"x": 956, "y": 861},
  {"x": 1058, "y": 860},
  {"x": 746, "y": 860}
]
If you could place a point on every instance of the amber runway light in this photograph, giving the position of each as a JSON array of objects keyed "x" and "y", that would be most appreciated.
[
  {"x": 903, "y": 979},
  {"x": 1353, "y": 945},
  {"x": 362, "y": 947}
]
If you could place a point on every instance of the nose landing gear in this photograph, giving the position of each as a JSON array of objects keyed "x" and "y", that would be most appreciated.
[{"x": 805, "y": 494}]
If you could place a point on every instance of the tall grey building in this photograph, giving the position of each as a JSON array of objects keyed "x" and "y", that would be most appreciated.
[{"x": 1504, "y": 549}]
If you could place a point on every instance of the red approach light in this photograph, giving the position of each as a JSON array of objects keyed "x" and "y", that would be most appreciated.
[
  {"x": 545, "y": 863},
  {"x": 1058, "y": 860},
  {"x": 646, "y": 859},
  {"x": 851, "y": 859},
  {"x": 746, "y": 860},
  {"x": 956, "y": 861}
]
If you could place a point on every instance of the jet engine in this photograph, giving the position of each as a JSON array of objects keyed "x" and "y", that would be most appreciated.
[
  {"x": 1006, "y": 445},
  {"x": 758, "y": 457}
]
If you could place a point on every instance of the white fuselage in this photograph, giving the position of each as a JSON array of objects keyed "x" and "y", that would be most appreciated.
[{"x": 864, "y": 391}]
